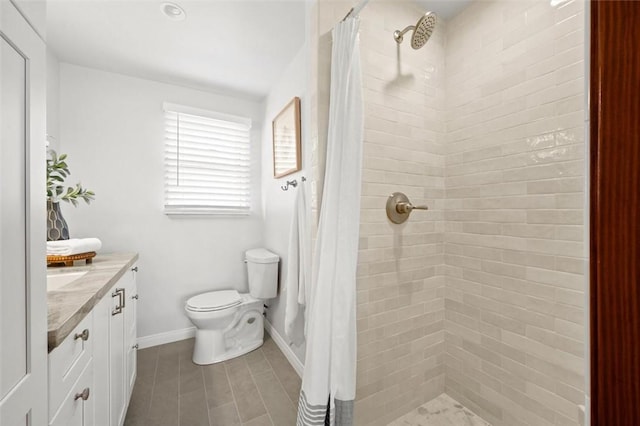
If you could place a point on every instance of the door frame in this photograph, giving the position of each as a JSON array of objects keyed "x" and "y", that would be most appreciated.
[
  {"x": 28, "y": 398},
  {"x": 615, "y": 212}
]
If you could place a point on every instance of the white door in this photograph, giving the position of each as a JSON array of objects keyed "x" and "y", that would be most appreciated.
[{"x": 23, "y": 305}]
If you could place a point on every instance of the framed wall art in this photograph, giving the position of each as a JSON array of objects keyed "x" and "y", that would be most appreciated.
[{"x": 287, "y": 156}]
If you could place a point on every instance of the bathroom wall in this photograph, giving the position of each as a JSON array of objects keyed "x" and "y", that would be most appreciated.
[
  {"x": 53, "y": 99},
  {"x": 514, "y": 211},
  {"x": 401, "y": 267},
  {"x": 112, "y": 127},
  {"x": 278, "y": 205}
]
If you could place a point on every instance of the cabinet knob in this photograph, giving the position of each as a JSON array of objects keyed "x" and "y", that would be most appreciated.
[
  {"x": 135, "y": 296},
  {"x": 134, "y": 269},
  {"x": 135, "y": 346},
  {"x": 84, "y": 335},
  {"x": 84, "y": 395}
]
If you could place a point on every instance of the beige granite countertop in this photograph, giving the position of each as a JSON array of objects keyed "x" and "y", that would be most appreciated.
[{"x": 68, "y": 305}]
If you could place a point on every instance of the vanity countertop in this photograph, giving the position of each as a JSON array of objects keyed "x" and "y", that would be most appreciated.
[{"x": 68, "y": 305}]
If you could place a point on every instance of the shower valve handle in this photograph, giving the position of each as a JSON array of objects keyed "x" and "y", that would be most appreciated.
[
  {"x": 408, "y": 207},
  {"x": 399, "y": 207}
]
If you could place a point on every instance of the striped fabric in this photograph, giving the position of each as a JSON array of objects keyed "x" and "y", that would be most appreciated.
[
  {"x": 310, "y": 415},
  {"x": 317, "y": 415}
]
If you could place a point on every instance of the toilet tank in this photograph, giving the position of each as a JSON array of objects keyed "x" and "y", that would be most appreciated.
[{"x": 262, "y": 269}]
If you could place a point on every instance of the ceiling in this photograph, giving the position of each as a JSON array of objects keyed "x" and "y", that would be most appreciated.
[
  {"x": 232, "y": 46},
  {"x": 446, "y": 9},
  {"x": 227, "y": 46}
]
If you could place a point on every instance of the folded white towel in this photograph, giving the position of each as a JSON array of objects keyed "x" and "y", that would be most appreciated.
[{"x": 73, "y": 246}]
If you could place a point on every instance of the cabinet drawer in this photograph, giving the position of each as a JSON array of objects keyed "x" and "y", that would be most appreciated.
[
  {"x": 76, "y": 408},
  {"x": 68, "y": 361}
]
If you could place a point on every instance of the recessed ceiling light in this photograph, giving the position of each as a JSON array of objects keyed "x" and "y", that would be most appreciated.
[{"x": 173, "y": 11}]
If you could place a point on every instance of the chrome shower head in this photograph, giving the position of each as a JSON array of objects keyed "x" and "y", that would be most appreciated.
[{"x": 421, "y": 31}]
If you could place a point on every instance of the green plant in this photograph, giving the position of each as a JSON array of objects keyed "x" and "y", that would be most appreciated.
[{"x": 57, "y": 172}]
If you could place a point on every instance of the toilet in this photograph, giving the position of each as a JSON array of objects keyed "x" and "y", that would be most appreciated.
[{"x": 228, "y": 323}]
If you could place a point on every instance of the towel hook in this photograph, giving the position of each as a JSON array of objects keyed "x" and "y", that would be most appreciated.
[{"x": 293, "y": 183}]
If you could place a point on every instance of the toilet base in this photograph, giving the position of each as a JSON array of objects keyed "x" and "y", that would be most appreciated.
[
  {"x": 204, "y": 355},
  {"x": 245, "y": 334}
]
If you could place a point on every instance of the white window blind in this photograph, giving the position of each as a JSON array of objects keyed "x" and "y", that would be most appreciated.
[{"x": 207, "y": 162}]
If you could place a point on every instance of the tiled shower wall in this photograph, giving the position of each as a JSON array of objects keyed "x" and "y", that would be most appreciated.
[
  {"x": 514, "y": 211},
  {"x": 401, "y": 267}
]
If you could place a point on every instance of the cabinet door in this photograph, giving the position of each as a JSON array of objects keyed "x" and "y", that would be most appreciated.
[
  {"x": 101, "y": 353},
  {"x": 130, "y": 315},
  {"x": 23, "y": 309},
  {"x": 116, "y": 356}
]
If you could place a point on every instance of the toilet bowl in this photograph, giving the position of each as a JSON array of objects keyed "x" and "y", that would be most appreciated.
[
  {"x": 228, "y": 323},
  {"x": 225, "y": 331}
]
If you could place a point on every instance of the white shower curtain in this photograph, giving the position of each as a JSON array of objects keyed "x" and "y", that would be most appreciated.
[{"x": 330, "y": 364}]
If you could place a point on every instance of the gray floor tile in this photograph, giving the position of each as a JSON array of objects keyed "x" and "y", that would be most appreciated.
[
  {"x": 257, "y": 362},
  {"x": 224, "y": 415},
  {"x": 193, "y": 409},
  {"x": 279, "y": 406},
  {"x": 255, "y": 389},
  {"x": 217, "y": 385},
  {"x": 244, "y": 389},
  {"x": 140, "y": 403},
  {"x": 260, "y": 421},
  {"x": 191, "y": 378},
  {"x": 283, "y": 370}
]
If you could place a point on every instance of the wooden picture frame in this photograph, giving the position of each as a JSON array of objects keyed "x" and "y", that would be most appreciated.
[{"x": 286, "y": 131}]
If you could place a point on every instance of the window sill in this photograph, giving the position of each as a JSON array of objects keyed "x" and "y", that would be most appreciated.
[{"x": 211, "y": 213}]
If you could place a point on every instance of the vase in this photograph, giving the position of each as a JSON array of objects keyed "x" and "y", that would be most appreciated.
[{"x": 57, "y": 228}]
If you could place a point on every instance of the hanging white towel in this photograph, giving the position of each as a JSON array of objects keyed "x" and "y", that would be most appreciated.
[
  {"x": 330, "y": 360},
  {"x": 298, "y": 270},
  {"x": 73, "y": 246}
]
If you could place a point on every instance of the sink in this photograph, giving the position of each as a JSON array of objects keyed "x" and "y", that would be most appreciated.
[{"x": 57, "y": 281}]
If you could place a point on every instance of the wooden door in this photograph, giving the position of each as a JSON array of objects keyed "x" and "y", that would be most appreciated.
[
  {"x": 615, "y": 213},
  {"x": 23, "y": 308}
]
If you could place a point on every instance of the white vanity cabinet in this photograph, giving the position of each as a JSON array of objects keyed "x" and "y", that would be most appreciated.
[{"x": 102, "y": 359}]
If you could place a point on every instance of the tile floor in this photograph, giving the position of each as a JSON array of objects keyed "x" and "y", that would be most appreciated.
[
  {"x": 256, "y": 389},
  {"x": 441, "y": 411}
]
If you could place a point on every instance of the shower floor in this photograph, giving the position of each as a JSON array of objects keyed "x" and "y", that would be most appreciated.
[{"x": 441, "y": 411}]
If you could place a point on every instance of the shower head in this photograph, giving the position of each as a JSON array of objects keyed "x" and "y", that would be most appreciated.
[{"x": 421, "y": 31}]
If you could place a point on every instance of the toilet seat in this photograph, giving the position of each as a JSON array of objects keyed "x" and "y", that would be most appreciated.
[{"x": 214, "y": 301}]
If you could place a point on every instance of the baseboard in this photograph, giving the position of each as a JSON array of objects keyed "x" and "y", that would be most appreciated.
[
  {"x": 285, "y": 348},
  {"x": 166, "y": 337}
]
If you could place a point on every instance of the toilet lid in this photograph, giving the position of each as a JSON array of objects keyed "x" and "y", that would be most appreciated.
[{"x": 214, "y": 300}]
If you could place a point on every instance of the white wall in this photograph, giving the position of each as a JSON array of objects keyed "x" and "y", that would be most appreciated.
[
  {"x": 112, "y": 128},
  {"x": 53, "y": 99},
  {"x": 278, "y": 205}
]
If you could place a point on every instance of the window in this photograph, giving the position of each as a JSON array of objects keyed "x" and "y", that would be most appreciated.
[{"x": 207, "y": 162}]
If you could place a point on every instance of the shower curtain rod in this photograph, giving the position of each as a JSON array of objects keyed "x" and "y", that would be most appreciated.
[{"x": 355, "y": 10}]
